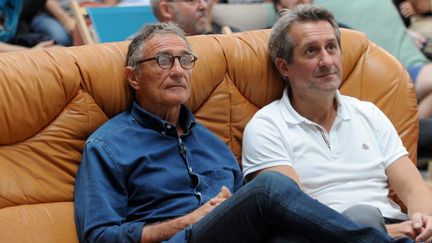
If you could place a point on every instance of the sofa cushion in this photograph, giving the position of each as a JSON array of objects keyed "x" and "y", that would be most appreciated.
[{"x": 52, "y": 100}]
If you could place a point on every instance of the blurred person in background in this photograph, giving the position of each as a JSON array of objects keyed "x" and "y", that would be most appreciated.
[
  {"x": 57, "y": 21},
  {"x": 393, "y": 38},
  {"x": 194, "y": 17},
  {"x": 15, "y": 33}
]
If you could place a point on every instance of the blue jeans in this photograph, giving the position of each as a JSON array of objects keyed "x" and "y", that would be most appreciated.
[
  {"x": 45, "y": 24},
  {"x": 272, "y": 204}
]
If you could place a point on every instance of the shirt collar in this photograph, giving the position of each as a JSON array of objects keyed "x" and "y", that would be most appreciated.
[
  {"x": 151, "y": 121},
  {"x": 290, "y": 115}
]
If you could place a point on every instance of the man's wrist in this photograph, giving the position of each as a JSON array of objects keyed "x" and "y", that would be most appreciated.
[{"x": 183, "y": 222}]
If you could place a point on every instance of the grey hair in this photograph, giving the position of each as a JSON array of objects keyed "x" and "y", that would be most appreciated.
[
  {"x": 281, "y": 43},
  {"x": 136, "y": 47}
]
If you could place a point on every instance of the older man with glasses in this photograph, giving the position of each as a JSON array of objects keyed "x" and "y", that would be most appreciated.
[{"x": 153, "y": 173}]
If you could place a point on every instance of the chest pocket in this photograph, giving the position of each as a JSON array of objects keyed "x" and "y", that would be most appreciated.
[{"x": 214, "y": 180}]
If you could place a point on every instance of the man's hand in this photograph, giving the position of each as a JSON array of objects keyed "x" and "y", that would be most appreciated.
[
  {"x": 422, "y": 224},
  {"x": 165, "y": 230},
  {"x": 202, "y": 211},
  {"x": 418, "y": 228},
  {"x": 407, "y": 9},
  {"x": 402, "y": 229}
]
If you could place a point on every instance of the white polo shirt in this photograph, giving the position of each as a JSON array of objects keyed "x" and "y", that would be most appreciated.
[{"x": 342, "y": 168}]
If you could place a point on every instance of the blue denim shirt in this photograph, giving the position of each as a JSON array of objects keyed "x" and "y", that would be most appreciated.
[{"x": 137, "y": 170}]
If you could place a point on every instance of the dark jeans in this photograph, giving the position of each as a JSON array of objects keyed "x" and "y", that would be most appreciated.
[{"x": 272, "y": 205}]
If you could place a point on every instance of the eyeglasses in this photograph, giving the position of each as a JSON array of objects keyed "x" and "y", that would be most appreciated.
[{"x": 166, "y": 60}]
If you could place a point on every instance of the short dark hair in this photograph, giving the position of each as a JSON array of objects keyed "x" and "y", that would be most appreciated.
[{"x": 281, "y": 44}]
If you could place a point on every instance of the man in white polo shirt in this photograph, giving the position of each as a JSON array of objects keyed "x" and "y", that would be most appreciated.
[{"x": 341, "y": 151}]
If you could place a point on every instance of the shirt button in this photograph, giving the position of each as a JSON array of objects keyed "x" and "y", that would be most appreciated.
[
  {"x": 168, "y": 126},
  {"x": 163, "y": 132}
]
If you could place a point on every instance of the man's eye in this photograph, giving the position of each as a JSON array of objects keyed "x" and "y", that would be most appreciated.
[
  {"x": 310, "y": 51},
  {"x": 165, "y": 59}
]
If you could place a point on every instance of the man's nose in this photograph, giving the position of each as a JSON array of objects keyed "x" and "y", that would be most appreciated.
[
  {"x": 203, "y": 4},
  {"x": 325, "y": 58},
  {"x": 176, "y": 67}
]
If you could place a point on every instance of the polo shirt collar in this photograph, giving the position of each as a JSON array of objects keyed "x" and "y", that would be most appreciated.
[
  {"x": 292, "y": 116},
  {"x": 151, "y": 121}
]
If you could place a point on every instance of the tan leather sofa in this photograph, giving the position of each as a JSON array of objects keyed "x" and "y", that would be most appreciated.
[{"x": 51, "y": 100}]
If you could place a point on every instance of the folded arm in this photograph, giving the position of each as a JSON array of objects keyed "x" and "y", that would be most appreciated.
[{"x": 166, "y": 230}]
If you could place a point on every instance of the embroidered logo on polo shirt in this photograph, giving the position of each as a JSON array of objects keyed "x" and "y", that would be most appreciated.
[{"x": 365, "y": 146}]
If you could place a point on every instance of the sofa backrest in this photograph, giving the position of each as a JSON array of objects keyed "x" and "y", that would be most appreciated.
[{"x": 52, "y": 100}]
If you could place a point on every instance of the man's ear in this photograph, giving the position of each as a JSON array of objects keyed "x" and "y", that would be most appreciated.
[
  {"x": 282, "y": 66},
  {"x": 166, "y": 11},
  {"x": 132, "y": 77}
]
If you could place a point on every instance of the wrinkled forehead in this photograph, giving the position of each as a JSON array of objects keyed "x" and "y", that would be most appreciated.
[
  {"x": 312, "y": 29},
  {"x": 165, "y": 42}
]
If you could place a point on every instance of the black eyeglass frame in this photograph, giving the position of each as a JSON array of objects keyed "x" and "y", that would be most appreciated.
[{"x": 194, "y": 59}]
